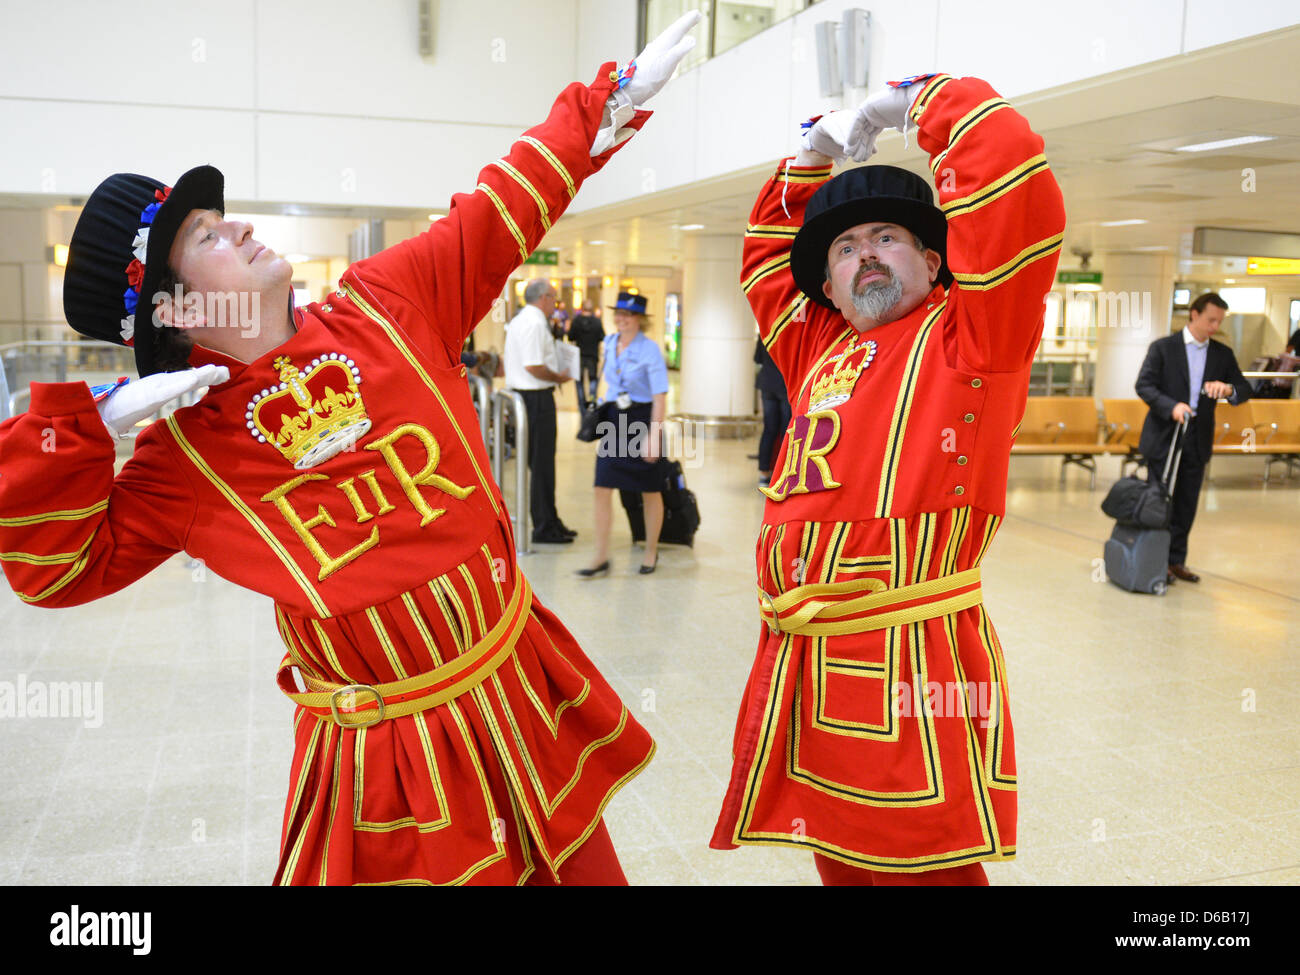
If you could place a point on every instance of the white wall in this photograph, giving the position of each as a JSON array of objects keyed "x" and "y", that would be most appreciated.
[
  {"x": 330, "y": 103},
  {"x": 742, "y": 109}
]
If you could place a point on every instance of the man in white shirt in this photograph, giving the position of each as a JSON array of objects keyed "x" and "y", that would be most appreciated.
[{"x": 532, "y": 370}]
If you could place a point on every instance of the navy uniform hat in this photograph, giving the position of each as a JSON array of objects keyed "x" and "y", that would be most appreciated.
[
  {"x": 118, "y": 255},
  {"x": 866, "y": 194},
  {"x": 629, "y": 302}
]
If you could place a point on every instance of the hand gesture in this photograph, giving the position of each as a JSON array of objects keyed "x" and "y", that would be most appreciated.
[
  {"x": 128, "y": 405},
  {"x": 1217, "y": 390},
  {"x": 832, "y": 134},
  {"x": 884, "y": 110},
  {"x": 650, "y": 70}
]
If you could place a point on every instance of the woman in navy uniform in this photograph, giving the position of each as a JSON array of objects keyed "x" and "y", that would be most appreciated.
[{"x": 627, "y": 458}]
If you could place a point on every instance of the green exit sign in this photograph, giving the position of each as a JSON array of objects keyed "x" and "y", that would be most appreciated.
[
  {"x": 551, "y": 258},
  {"x": 1078, "y": 277}
]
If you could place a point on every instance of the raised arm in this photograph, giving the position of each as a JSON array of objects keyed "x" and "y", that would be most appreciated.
[
  {"x": 451, "y": 274},
  {"x": 1005, "y": 217},
  {"x": 791, "y": 327}
]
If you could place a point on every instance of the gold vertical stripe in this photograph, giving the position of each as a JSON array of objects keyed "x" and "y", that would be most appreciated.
[
  {"x": 308, "y": 761},
  {"x": 258, "y": 525},
  {"x": 323, "y": 638},
  {"x": 334, "y": 804},
  {"x": 472, "y": 589},
  {"x": 390, "y": 651},
  {"x": 397, "y": 341},
  {"x": 496, "y": 581},
  {"x": 418, "y": 619},
  {"x": 902, "y": 410}
]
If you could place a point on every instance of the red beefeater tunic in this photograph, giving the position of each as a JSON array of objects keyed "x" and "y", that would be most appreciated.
[
  {"x": 891, "y": 749},
  {"x": 385, "y": 560}
]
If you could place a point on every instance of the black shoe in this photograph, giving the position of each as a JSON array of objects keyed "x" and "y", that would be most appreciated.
[
  {"x": 599, "y": 570},
  {"x": 645, "y": 570},
  {"x": 565, "y": 529},
  {"x": 552, "y": 536}
]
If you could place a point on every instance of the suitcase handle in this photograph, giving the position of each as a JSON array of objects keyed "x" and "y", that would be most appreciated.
[{"x": 1175, "y": 456}]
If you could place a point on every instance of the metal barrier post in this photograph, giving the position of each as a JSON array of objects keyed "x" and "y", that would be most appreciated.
[{"x": 507, "y": 399}]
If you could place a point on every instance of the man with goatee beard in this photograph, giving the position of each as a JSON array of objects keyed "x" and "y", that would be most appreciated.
[{"x": 874, "y": 728}]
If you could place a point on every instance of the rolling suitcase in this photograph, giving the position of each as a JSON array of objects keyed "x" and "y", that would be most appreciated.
[
  {"x": 1137, "y": 558},
  {"x": 681, "y": 512}
]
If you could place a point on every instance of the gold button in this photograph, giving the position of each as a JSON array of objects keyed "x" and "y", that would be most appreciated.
[
  {"x": 962, "y": 460},
  {"x": 977, "y": 383},
  {"x": 969, "y": 417},
  {"x": 959, "y": 490},
  {"x": 327, "y": 307},
  {"x": 613, "y": 76}
]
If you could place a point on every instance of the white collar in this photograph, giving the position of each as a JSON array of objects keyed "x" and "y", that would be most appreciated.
[{"x": 1188, "y": 340}]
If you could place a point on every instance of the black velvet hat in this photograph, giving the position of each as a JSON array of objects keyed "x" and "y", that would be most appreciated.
[
  {"x": 866, "y": 194},
  {"x": 119, "y": 250}
]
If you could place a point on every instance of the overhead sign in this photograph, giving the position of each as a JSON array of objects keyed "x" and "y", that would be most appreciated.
[
  {"x": 544, "y": 257},
  {"x": 1078, "y": 277},
  {"x": 1272, "y": 265}
]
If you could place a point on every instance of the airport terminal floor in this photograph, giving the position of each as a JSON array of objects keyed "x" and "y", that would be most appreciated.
[{"x": 1158, "y": 738}]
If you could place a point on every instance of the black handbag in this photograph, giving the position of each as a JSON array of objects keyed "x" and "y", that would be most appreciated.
[
  {"x": 1133, "y": 501},
  {"x": 1147, "y": 504},
  {"x": 592, "y": 418}
]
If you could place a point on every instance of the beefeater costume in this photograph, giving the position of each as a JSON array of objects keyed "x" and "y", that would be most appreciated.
[
  {"x": 451, "y": 730},
  {"x": 875, "y": 725}
]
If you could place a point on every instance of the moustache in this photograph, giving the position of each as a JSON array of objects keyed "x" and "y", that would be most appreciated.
[{"x": 873, "y": 269}]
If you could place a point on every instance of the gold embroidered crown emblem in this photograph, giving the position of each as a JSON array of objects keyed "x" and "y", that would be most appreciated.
[
  {"x": 835, "y": 387},
  {"x": 312, "y": 414}
]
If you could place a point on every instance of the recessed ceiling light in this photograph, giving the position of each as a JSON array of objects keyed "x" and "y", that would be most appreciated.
[
  {"x": 689, "y": 226},
  {"x": 435, "y": 216},
  {"x": 1244, "y": 140},
  {"x": 1120, "y": 223},
  {"x": 597, "y": 243}
]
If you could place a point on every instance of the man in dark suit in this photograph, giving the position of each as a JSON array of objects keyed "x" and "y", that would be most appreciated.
[{"x": 1184, "y": 376}]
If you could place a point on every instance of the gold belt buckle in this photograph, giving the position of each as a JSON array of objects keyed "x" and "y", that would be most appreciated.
[
  {"x": 352, "y": 689},
  {"x": 768, "y": 605}
]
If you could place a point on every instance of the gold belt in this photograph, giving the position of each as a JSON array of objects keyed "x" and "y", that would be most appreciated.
[
  {"x": 859, "y": 605},
  {"x": 363, "y": 705}
]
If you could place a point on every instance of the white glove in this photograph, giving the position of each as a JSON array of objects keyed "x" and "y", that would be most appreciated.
[
  {"x": 645, "y": 75},
  {"x": 884, "y": 110},
  {"x": 830, "y": 135},
  {"x": 651, "y": 69},
  {"x": 129, "y": 404}
]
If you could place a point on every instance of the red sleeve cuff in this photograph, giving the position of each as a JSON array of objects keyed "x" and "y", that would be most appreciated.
[{"x": 58, "y": 399}]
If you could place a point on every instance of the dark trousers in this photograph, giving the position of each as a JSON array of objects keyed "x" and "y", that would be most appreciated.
[
  {"x": 1187, "y": 493},
  {"x": 540, "y": 407},
  {"x": 776, "y": 419},
  {"x": 587, "y": 382}
]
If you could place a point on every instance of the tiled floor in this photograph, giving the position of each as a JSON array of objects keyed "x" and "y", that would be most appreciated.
[{"x": 1158, "y": 738}]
